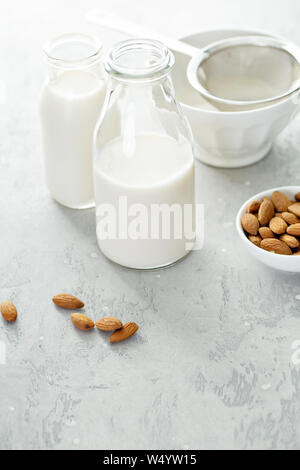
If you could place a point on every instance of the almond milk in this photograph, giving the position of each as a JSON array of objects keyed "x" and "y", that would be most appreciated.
[
  {"x": 70, "y": 107},
  {"x": 147, "y": 170}
]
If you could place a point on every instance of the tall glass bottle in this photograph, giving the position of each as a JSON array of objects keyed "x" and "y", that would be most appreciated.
[
  {"x": 70, "y": 104},
  {"x": 143, "y": 161}
]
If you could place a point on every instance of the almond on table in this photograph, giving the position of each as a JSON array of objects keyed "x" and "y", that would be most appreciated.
[
  {"x": 82, "y": 321},
  {"x": 9, "y": 311},
  {"x": 109, "y": 324},
  {"x": 128, "y": 330},
  {"x": 67, "y": 301}
]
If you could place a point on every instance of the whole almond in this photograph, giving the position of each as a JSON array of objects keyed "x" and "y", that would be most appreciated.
[
  {"x": 67, "y": 301},
  {"x": 276, "y": 246},
  {"x": 278, "y": 225},
  {"x": 82, "y": 321},
  {"x": 250, "y": 224},
  {"x": 295, "y": 209},
  {"x": 280, "y": 201},
  {"x": 297, "y": 197},
  {"x": 129, "y": 329},
  {"x": 294, "y": 230},
  {"x": 254, "y": 206},
  {"x": 266, "y": 232},
  {"x": 290, "y": 218},
  {"x": 291, "y": 241},
  {"x": 9, "y": 311},
  {"x": 266, "y": 212},
  {"x": 109, "y": 324},
  {"x": 255, "y": 239}
]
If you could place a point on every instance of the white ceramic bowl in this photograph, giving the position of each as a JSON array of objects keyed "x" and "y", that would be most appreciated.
[
  {"x": 228, "y": 139},
  {"x": 281, "y": 262}
]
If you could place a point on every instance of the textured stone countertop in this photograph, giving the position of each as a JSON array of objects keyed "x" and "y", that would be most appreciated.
[{"x": 211, "y": 366}]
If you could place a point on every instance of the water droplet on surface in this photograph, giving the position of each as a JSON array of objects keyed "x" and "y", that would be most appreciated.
[{"x": 94, "y": 255}]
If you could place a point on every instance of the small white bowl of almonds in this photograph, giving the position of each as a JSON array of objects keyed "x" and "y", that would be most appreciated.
[{"x": 269, "y": 225}]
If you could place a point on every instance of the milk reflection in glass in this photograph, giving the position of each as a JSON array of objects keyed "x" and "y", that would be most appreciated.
[{"x": 70, "y": 106}]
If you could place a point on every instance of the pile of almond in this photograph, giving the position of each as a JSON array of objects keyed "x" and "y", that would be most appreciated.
[
  {"x": 274, "y": 224},
  {"x": 81, "y": 321}
]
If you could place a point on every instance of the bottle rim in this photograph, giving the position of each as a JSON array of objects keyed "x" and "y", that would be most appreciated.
[
  {"x": 147, "y": 59},
  {"x": 52, "y": 47}
]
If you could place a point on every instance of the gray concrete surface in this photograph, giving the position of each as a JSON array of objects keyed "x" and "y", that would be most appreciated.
[{"x": 211, "y": 366}]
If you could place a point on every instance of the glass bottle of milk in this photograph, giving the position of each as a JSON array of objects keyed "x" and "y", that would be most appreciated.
[
  {"x": 143, "y": 161},
  {"x": 70, "y": 105}
]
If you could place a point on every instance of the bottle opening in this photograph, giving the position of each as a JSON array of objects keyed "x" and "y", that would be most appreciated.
[
  {"x": 139, "y": 58},
  {"x": 73, "y": 49}
]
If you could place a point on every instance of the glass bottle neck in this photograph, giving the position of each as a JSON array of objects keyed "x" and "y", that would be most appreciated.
[
  {"x": 73, "y": 52},
  {"x": 139, "y": 61}
]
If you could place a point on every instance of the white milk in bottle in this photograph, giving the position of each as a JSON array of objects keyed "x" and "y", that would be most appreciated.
[{"x": 70, "y": 105}]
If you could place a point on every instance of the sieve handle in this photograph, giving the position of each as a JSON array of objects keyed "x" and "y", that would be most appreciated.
[{"x": 115, "y": 23}]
